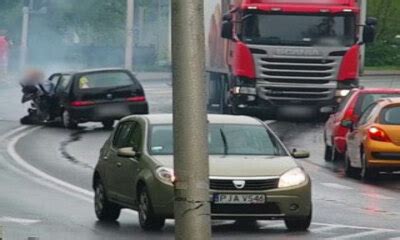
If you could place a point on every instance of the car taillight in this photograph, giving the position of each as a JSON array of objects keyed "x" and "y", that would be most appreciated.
[
  {"x": 136, "y": 99},
  {"x": 82, "y": 103},
  {"x": 378, "y": 135}
]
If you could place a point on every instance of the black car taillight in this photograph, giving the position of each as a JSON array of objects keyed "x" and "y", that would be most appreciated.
[
  {"x": 136, "y": 99},
  {"x": 82, "y": 103}
]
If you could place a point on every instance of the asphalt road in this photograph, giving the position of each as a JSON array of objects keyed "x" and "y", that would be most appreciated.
[{"x": 45, "y": 177}]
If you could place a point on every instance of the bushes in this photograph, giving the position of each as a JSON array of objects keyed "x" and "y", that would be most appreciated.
[{"x": 383, "y": 54}]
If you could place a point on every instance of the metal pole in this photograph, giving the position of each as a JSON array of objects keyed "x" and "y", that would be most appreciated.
[
  {"x": 363, "y": 18},
  {"x": 24, "y": 37},
  {"x": 130, "y": 11},
  {"x": 192, "y": 207}
]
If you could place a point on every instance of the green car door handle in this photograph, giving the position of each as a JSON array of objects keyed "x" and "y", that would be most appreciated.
[{"x": 119, "y": 164}]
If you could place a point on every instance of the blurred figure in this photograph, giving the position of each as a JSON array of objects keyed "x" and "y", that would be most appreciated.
[
  {"x": 4, "y": 48},
  {"x": 36, "y": 78},
  {"x": 39, "y": 91}
]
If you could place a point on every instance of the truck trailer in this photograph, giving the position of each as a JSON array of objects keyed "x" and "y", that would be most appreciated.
[{"x": 272, "y": 57}]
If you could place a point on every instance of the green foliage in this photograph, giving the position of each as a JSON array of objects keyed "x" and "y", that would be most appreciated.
[
  {"x": 383, "y": 54},
  {"x": 386, "y": 50}
]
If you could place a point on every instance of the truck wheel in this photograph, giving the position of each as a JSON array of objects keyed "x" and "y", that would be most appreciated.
[
  {"x": 67, "y": 121},
  {"x": 108, "y": 124},
  {"x": 299, "y": 223},
  {"x": 105, "y": 210},
  {"x": 148, "y": 220}
]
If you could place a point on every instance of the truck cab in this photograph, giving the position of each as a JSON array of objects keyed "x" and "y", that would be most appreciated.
[{"x": 282, "y": 55}]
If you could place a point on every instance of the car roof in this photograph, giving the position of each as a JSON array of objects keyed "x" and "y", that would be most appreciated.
[
  {"x": 389, "y": 101},
  {"x": 154, "y": 119},
  {"x": 378, "y": 90},
  {"x": 87, "y": 71}
]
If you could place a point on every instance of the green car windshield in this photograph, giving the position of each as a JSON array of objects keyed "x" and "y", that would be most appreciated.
[{"x": 222, "y": 140}]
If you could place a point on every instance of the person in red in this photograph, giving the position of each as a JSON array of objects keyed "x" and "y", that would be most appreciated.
[{"x": 4, "y": 46}]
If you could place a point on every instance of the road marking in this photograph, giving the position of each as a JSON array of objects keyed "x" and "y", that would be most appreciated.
[
  {"x": 358, "y": 235},
  {"x": 22, "y": 221},
  {"x": 377, "y": 196},
  {"x": 12, "y": 132},
  {"x": 21, "y": 162},
  {"x": 323, "y": 229},
  {"x": 336, "y": 186},
  {"x": 83, "y": 194}
]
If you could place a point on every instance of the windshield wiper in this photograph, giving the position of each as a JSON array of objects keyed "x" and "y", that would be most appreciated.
[{"x": 225, "y": 142}]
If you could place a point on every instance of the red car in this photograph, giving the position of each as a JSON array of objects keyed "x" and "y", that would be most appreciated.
[{"x": 351, "y": 108}]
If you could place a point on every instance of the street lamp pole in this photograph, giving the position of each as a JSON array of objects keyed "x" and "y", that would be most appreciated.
[
  {"x": 24, "y": 35},
  {"x": 130, "y": 10},
  {"x": 192, "y": 205}
]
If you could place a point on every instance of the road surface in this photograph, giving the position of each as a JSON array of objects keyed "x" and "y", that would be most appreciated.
[{"x": 45, "y": 180}]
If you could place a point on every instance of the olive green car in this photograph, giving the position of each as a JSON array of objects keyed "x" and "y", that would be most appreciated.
[{"x": 252, "y": 175}]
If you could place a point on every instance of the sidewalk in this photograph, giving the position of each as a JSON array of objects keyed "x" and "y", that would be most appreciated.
[{"x": 381, "y": 73}]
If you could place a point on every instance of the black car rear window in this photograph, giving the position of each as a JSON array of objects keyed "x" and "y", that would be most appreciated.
[
  {"x": 104, "y": 80},
  {"x": 367, "y": 99},
  {"x": 391, "y": 116}
]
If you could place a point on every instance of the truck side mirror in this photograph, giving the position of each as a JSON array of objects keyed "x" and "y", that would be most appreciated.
[
  {"x": 370, "y": 30},
  {"x": 227, "y": 30}
]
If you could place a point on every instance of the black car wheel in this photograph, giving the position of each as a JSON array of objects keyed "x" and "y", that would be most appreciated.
[
  {"x": 367, "y": 174},
  {"x": 147, "y": 219},
  {"x": 299, "y": 223},
  {"x": 349, "y": 170},
  {"x": 108, "y": 124},
  {"x": 67, "y": 121},
  {"x": 328, "y": 153},
  {"x": 105, "y": 210}
]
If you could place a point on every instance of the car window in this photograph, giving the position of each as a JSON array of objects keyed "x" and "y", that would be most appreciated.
[
  {"x": 366, "y": 99},
  {"x": 345, "y": 101},
  {"x": 63, "y": 83},
  {"x": 390, "y": 116},
  {"x": 135, "y": 137},
  {"x": 227, "y": 139},
  {"x": 104, "y": 80},
  {"x": 54, "y": 79},
  {"x": 366, "y": 116},
  {"x": 122, "y": 134}
]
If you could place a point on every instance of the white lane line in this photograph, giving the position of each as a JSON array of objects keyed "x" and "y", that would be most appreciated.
[
  {"x": 21, "y": 162},
  {"x": 395, "y": 238},
  {"x": 12, "y": 132},
  {"x": 323, "y": 229},
  {"x": 355, "y": 227},
  {"x": 336, "y": 186},
  {"x": 377, "y": 196},
  {"x": 45, "y": 179},
  {"x": 358, "y": 235},
  {"x": 21, "y": 221},
  {"x": 80, "y": 191}
]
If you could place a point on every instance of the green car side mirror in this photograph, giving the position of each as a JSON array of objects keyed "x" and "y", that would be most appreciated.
[
  {"x": 126, "y": 152},
  {"x": 300, "y": 154}
]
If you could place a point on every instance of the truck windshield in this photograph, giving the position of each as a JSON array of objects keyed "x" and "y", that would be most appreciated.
[{"x": 299, "y": 30}]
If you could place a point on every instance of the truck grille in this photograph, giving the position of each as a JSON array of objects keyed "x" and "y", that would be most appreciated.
[
  {"x": 296, "y": 78},
  {"x": 250, "y": 185}
]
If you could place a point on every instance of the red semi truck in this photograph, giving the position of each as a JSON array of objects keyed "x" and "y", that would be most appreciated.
[{"x": 278, "y": 56}]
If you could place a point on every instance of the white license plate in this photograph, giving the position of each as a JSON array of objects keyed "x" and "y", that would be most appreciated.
[{"x": 239, "y": 199}]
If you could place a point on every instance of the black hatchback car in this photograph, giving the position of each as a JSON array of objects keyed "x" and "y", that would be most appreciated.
[{"x": 103, "y": 95}]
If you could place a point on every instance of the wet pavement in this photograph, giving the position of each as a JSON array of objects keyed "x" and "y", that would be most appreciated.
[{"x": 45, "y": 179}]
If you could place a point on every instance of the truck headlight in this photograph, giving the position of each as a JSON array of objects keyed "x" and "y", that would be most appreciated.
[
  {"x": 292, "y": 178},
  {"x": 165, "y": 175},
  {"x": 342, "y": 93}
]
